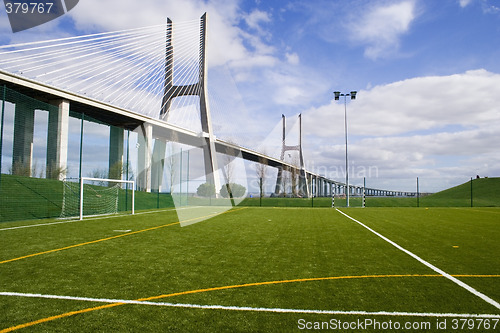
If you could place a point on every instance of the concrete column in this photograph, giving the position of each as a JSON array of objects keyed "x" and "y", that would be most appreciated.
[
  {"x": 116, "y": 137},
  {"x": 158, "y": 166},
  {"x": 144, "y": 140},
  {"x": 279, "y": 179},
  {"x": 22, "y": 152},
  {"x": 57, "y": 141}
]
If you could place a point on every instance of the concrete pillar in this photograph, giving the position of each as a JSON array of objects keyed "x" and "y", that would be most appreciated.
[
  {"x": 303, "y": 188},
  {"x": 116, "y": 136},
  {"x": 22, "y": 152},
  {"x": 158, "y": 164},
  {"x": 144, "y": 140},
  {"x": 279, "y": 180},
  {"x": 308, "y": 187},
  {"x": 57, "y": 141}
]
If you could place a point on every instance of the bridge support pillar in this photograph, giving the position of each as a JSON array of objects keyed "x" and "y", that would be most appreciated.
[
  {"x": 199, "y": 88},
  {"x": 144, "y": 141},
  {"x": 57, "y": 141},
  {"x": 158, "y": 164},
  {"x": 22, "y": 152},
  {"x": 115, "y": 163}
]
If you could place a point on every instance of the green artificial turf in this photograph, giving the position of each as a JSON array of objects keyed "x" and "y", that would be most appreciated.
[{"x": 248, "y": 246}]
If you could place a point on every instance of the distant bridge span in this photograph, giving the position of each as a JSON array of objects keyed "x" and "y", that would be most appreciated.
[
  {"x": 318, "y": 185},
  {"x": 155, "y": 129}
]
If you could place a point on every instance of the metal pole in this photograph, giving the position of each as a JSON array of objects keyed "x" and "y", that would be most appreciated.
[
  {"x": 158, "y": 186},
  {"x": 81, "y": 147},
  {"x": 471, "y": 200},
  {"x": 126, "y": 172},
  {"x": 80, "y": 168},
  {"x": 346, "y": 160},
  {"x": 364, "y": 192},
  {"x": 418, "y": 195},
  {"x": 81, "y": 199},
  {"x": 333, "y": 196},
  {"x": 180, "y": 179},
  {"x": 260, "y": 187},
  {"x": 313, "y": 189},
  {"x": 133, "y": 198},
  {"x": 1, "y": 131},
  {"x": 187, "y": 180}
]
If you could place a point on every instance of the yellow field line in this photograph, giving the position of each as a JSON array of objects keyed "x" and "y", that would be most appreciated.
[
  {"x": 112, "y": 237},
  {"x": 107, "y": 306}
]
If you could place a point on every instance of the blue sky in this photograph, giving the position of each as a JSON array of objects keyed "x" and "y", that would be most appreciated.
[{"x": 427, "y": 75}]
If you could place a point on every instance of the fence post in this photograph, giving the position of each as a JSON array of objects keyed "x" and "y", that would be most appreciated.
[
  {"x": 126, "y": 171},
  {"x": 418, "y": 195},
  {"x": 1, "y": 130},
  {"x": 333, "y": 196},
  {"x": 471, "y": 198},
  {"x": 260, "y": 190},
  {"x": 364, "y": 192}
]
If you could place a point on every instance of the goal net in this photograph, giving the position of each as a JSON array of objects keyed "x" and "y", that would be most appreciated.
[{"x": 95, "y": 196}]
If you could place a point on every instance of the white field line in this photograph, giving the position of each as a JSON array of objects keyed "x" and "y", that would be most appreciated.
[
  {"x": 97, "y": 218},
  {"x": 246, "y": 308},
  {"x": 431, "y": 266}
]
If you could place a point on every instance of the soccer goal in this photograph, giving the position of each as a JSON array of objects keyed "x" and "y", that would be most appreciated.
[
  {"x": 96, "y": 196},
  {"x": 355, "y": 200}
]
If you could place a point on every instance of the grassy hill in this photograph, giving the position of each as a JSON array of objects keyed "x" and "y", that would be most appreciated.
[{"x": 485, "y": 193}]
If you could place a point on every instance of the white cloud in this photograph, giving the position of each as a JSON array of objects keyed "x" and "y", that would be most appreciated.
[
  {"x": 255, "y": 18},
  {"x": 292, "y": 58},
  {"x": 436, "y": 126},
  {"x": 468, "y": 99},
  {"x": 227, "y": 43},
  {"x": 464, "y": 3},
  {"x": 381, "y": 27}
]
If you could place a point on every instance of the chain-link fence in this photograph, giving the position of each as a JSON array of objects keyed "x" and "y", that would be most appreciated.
[{"x": 37, "y": 155}]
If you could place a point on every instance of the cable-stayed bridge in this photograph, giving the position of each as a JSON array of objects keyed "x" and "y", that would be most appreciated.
[{"x": 152, "y": 80}]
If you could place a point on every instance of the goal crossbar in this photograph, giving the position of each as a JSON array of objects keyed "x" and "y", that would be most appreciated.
[{"x": 82, "y": 179}]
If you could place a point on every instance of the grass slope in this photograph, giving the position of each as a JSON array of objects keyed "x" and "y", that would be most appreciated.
[{"x": 485, "y": 192}]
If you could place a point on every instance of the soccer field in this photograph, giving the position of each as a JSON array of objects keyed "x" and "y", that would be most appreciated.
[{"x": 255, "y": 270}]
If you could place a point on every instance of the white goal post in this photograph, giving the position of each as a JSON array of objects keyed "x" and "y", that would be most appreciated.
[
  {"x": 105, "y": 180},
  {"x": 95, "y": 196}
]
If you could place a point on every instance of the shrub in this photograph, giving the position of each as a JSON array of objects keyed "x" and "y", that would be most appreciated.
[
  {"x": 206, "y": 190},
  {"x": 237, "y": 190}
]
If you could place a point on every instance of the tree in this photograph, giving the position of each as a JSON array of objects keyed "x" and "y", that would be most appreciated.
[
  {"x": 236, "y": 190},
  {"x": 206, "y": 190},
  {"x": 261, "y": 169},
  {"x": 227, "y": 171},
  {"x": 170, "y": 163}
]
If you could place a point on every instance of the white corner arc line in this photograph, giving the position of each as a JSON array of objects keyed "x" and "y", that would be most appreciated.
[
  {"x": 426, "y": 263},
  {"x": 254, "y": 309}
]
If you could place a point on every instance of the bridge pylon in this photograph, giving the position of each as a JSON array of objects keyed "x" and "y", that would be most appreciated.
[
  {"x": 303, "y": 186},
  {"x": 171, "y": 91}
]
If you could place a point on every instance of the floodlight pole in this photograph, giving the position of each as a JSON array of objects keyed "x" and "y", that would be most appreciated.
[{"x": 353, "y": 96}]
